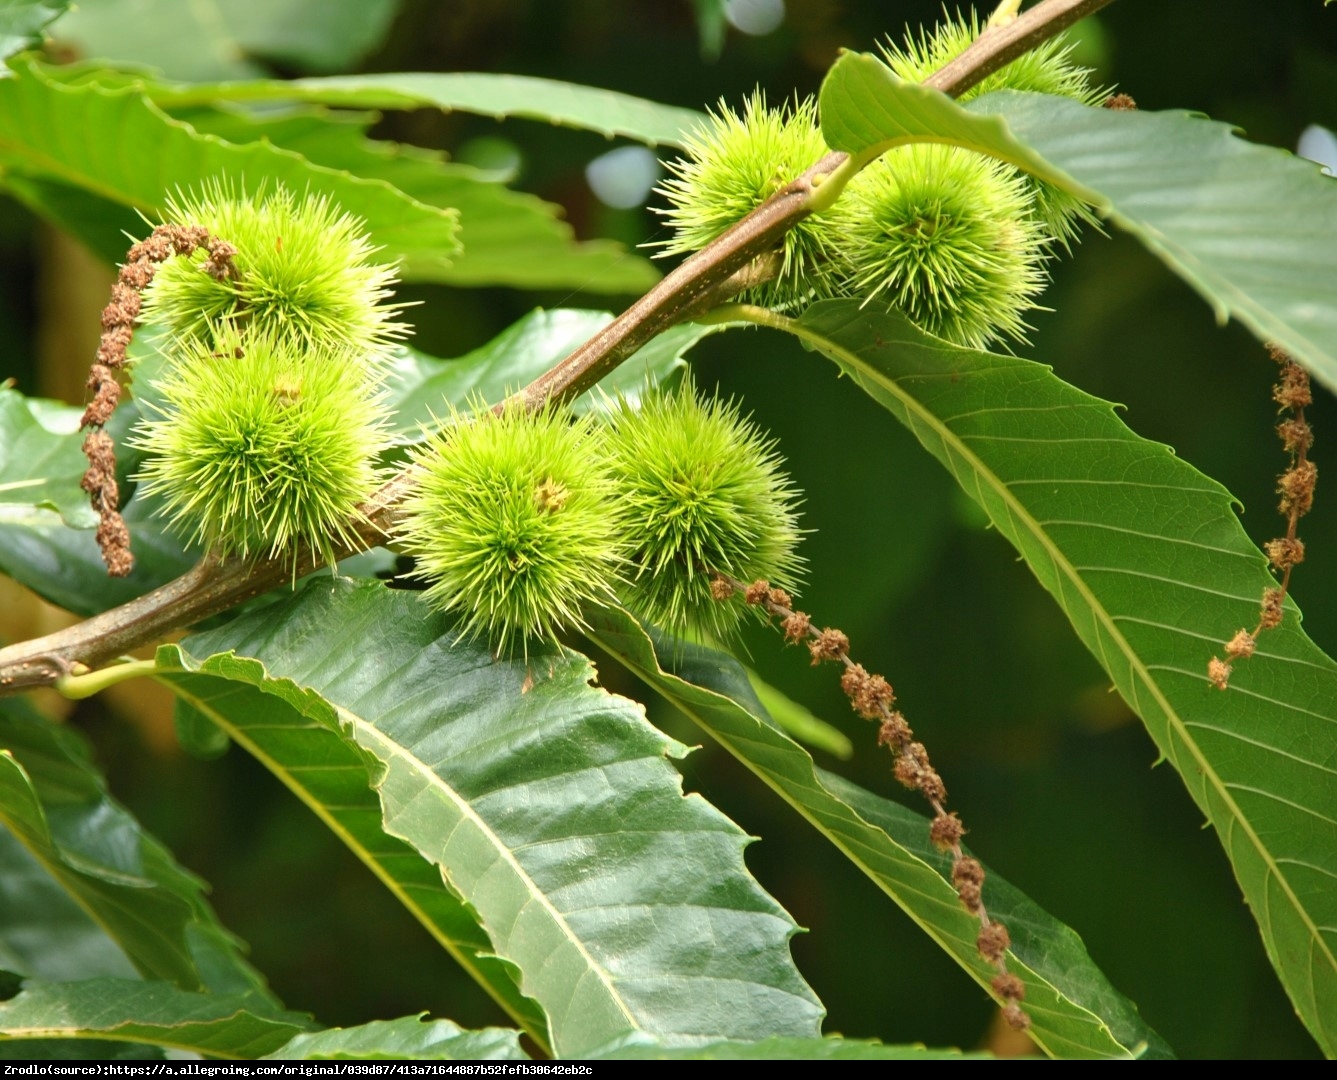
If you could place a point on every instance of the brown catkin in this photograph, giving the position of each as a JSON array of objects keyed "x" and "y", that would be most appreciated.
[
  {"x": 118, "y": 327},
  {"x": 871, "y": 696},
  {"x": 1296, "y": 488}
]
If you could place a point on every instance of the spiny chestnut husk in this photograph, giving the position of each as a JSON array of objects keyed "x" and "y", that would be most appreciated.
[
  {"x": 1046, "y": 69},
  {"x": 701, "y": 490},
  {"x": 733, "y": 165},
  {"x": 257, "y": 449},
  {"x": 304, "y": 275},
  {"x": 513, "y": 523},
  {"x": 944, "y": 234}
]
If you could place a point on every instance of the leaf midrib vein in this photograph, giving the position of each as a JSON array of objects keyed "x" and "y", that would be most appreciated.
[
  {"x": 852, "y": 846},
  {"x": 1139, "y": 669},
  {"x": 467, "y": 813}
]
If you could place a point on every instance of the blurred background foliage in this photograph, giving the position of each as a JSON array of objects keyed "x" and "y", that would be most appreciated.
[{"x": 1050, "y": 769}]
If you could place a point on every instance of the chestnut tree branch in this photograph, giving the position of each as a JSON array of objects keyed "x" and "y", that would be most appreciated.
[{"x": 700, "y": 282}]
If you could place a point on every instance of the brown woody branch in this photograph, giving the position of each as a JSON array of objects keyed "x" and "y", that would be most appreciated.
[{"x": 216, "y": 584}]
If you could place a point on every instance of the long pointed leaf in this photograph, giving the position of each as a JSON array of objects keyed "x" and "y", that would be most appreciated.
[
  {"x": 297, "y": 737},
  {"x": 122, "y": 148},
  {"x": 1074, "y": 1010},
  {"x": 408, "y": 1037},
  {"x": 604, "y": 111},
  {"x": 44, "y": 933},
  {"x": 1147, "y": 559},
  {"x": 1253, "y": 229},
  {"x": 509, "y": 238},
  {"x": 56, "y": 803},
  {"x": 548, "y": 805},
  {"x": 158, "y": 1013}
]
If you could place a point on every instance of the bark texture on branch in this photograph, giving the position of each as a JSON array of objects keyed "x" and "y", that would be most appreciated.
[{"x": 216, "y": 584}]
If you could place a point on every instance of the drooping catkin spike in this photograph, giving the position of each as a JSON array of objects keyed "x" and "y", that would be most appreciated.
[
  {"x": 872, "y": 697},
  {"x": 118, "y": 323},
  {"x": 1296, "y": 488}
]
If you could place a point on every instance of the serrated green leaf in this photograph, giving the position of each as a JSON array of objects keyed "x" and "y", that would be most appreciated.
[
  {"x": 55, "y": 803},
  {"x": 158, "y": 1013},
  {"x": 1074, "y": 1010},
  {"x": 548, "y": 805},
  {"x": 151, "y": 928},
  {"x": 606, "y": 112},
  {"x": 409, "y": 1037},
  {"x": 1147, "y": 558},
  {"x": 832, "y": 1048},
  {"x": 322, "y": 35},
  {"x": 297, "y": 737},
  {"x": 1252, "y": 228},
  {"x": 44, "y": 933},
  {"x": 510, "y": 237},
  {"x": 22, "y": 23},
  {"x": 422, "y": 388},
  {"x": 40, "y": 464},
  {"x": 122, "y": 148}
]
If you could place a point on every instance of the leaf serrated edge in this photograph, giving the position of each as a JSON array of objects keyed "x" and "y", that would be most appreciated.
[
  {"x": 1174, "y": 723},
  {"x": 956, "y": 953},
  {"x": 177, "y": 660}
]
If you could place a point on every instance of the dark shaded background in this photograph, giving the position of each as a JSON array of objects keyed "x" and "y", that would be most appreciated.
[{"x": 1048, "y": 767}]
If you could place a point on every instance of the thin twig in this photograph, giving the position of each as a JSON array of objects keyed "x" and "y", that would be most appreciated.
[
  {"x": 679, "y": 294},
  {"x": 217, "y": 584},
  {"x": 998, "y": 46}
]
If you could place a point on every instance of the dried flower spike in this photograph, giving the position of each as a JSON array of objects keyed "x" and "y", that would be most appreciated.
[
  {"x": 119, "y": 319},
  {"x": 1296, "y": 488},
  {"x": 871, "y": 696}
]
